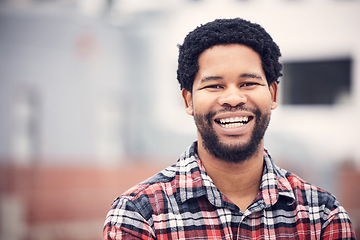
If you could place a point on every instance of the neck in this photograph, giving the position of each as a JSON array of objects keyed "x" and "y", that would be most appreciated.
[{"x": 240, "y": 182}]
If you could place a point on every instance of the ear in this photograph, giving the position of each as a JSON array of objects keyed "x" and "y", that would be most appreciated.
[
  {"x": 187, "y": 97},
  {"x": 274, "y": 95}
]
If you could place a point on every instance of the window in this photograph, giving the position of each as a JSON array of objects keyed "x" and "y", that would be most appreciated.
[{"x": 322, "y": 82}]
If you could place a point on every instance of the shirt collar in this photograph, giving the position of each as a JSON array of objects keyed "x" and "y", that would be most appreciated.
[
  {"x": 192, "y": 181},
  {"x": 274, "y": 182},
  {"x": 189, "y": 182}
]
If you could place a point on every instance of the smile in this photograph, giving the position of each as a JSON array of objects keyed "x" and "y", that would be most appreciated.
[{"x": 233, "y": 122}]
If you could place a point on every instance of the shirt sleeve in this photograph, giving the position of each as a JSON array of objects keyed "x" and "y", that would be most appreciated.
[
  {"x": 338, "y": 225},
  {"x": 124, "y": 221}
]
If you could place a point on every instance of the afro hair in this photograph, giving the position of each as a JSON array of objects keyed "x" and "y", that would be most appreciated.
[{"x": 222, "y": 32}]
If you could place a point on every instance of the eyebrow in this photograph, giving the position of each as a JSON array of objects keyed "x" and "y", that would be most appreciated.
[
  {"x": 250, "y": 75},
  {"x": 244, "y": 75},
  {"x": 211, "y": 78}
]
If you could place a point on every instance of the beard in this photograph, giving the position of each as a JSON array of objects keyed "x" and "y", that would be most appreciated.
[{"x": 232, "y": 153}]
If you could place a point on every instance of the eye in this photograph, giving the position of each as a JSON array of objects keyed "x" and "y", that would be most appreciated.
[
  {"x": 249, "y": 84},
  {"x": 214, "y": 86}
]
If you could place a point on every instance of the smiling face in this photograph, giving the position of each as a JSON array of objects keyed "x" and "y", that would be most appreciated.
[{"x": 231, "y": 102}]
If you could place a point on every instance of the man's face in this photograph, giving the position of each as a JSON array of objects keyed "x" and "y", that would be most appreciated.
[{"x": 231, "y": 102}]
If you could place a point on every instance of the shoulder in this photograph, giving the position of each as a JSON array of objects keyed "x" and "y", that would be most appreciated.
[
  {"x": 317, "y": 202},
  {"x": 130, "y": 213},
  {"x": 293, "y": 187},
  {"x": 309, "y": 194},
  {"x": 313, "y": 207},
  {"x": 321, "y": 207},
  {"x": 304, "y": 193},
  {"x": 153, "y": 183},
  {"x": 141, "y": 197}
]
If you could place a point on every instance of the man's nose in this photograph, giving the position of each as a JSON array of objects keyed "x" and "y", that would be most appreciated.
[{"x": 232, "y": 97}]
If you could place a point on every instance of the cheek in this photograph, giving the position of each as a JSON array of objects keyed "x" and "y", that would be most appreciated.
[
  {"x": 201, "y": 104},
  {"x": 264, "y": 101}
]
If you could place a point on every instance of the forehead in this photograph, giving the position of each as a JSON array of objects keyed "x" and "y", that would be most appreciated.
[
  {"x": 225, "y": 49},
  {"x": 229, "y": 57}
]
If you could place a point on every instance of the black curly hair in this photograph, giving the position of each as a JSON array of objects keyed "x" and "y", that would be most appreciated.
[{"x": 222, "y": 32}]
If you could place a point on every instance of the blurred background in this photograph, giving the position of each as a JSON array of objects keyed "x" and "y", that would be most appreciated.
[{"x": 90, "y": 104}]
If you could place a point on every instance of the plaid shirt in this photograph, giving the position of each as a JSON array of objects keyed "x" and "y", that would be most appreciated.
[{"x": 182, "y": 202}]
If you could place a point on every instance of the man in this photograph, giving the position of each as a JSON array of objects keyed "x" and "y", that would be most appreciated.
[{"x": 226, "y": 186}]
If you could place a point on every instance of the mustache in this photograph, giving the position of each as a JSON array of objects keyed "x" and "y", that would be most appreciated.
[
  {"x": 236, "y": 109},
  {"x": 210, "y": 115}
]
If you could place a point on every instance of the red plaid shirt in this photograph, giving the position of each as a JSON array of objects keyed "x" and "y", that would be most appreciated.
[{"x": 182, "y": 202}]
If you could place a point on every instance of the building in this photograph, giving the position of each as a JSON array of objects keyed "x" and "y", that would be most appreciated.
[{"x": 89, "y": 86}]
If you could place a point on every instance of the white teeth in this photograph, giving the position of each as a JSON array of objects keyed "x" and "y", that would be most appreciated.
[
  {"x": 234, "y": 120},
  {"x": 233, "y": 125}
]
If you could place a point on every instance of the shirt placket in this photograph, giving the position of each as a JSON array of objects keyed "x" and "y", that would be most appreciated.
[{"x": 252, "y": 218}]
